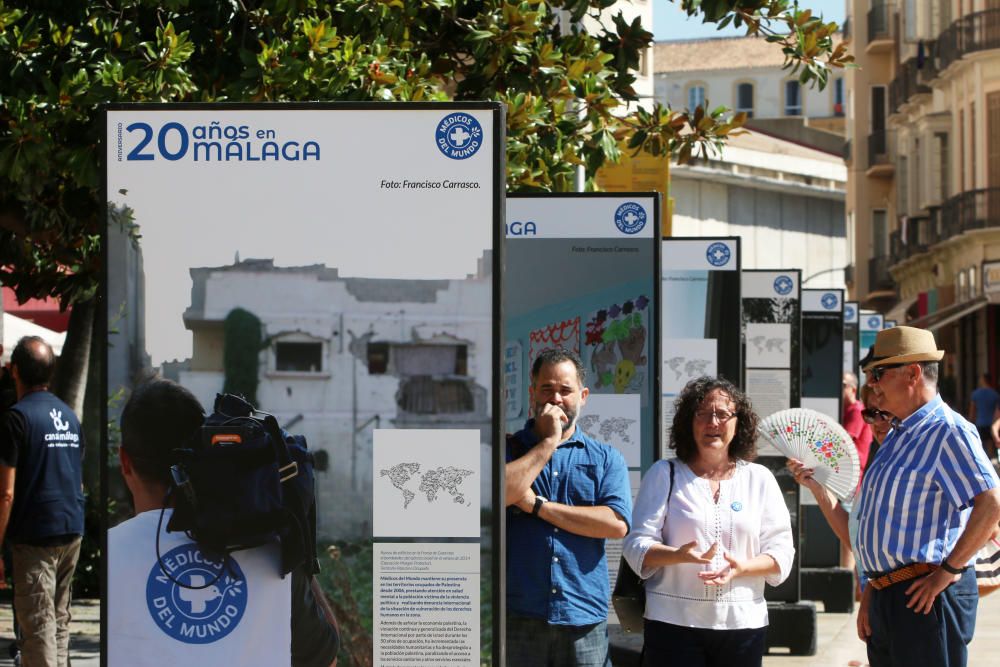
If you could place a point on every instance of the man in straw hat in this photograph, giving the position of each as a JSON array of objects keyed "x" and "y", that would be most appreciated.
[{"x": 929, "y": 501}]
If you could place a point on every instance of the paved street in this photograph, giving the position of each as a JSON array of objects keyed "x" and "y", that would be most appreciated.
[
  {"x": 837, "y": 645},
  {"x": 85, "y": 644}
]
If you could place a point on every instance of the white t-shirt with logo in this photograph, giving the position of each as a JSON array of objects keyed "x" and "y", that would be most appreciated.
[{"x": 243, "y": 618}]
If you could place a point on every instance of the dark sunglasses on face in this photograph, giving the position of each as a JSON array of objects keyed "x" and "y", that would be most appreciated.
[
  {"x": 870, "y": 415},
  {"x": 877, "y": 372}
]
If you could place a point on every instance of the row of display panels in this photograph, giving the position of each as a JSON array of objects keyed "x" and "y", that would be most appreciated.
[{"x": 363, "y": 244}]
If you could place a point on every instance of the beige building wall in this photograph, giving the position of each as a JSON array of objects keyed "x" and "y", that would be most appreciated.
[{"x": 939, "y": 179}]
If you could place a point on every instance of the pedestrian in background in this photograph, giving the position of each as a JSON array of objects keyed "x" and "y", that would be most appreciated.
[{"x": 984, "y": 408}]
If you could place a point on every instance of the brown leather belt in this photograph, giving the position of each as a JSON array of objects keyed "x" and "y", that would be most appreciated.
[{"x": 905, "y": 573}]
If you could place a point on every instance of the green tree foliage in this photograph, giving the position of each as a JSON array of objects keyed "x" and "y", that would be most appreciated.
[
  {"x": 567, "y": 91},
  {"x": 241, "y": 347}
]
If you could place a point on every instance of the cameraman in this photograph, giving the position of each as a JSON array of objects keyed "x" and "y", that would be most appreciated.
[{"x": 166, "y": 602}]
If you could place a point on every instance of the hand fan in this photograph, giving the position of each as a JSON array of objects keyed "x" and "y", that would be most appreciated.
[{"x": 820, "y": 443}]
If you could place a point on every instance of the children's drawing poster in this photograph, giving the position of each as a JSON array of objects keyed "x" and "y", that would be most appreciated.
[
  {"x": 512, "y": 373},
  {"x": 616, "y": 346},
  {"x": 564, "y": 334}
]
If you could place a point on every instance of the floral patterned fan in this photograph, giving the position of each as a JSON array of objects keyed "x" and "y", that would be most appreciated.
[{"x": 820, "y": 443}]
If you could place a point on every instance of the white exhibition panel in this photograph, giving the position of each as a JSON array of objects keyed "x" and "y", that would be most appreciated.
[
  {"x": 770, "y": 284},
  {"x": 700, "y": 254},
  {"x": 340, "y": 228},
  {"x": 575, "y": 217},
  {"x": 821, "y": 301}
]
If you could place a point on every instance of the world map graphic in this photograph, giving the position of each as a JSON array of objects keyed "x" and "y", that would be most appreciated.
[{"x": 446, "y": 479}]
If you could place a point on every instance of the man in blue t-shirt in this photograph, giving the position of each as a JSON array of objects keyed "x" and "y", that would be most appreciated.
[
  {"x": 566, "y": 494},
  {"x": 984, "y": 407},
  {"x": 41, "y": 504}
]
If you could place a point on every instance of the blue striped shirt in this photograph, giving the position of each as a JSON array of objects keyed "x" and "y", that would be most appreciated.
[{"x": 917, "y": 494}]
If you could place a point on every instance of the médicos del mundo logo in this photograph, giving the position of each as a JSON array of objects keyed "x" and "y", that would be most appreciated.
[
  {"x": 459, "y": 136},
  {"x": 189, "y": 600}
]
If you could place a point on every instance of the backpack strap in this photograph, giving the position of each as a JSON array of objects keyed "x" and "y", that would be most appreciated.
[{"x": 670, "y": 491}]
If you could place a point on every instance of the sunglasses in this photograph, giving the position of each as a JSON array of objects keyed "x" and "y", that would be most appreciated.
[
  {"x": 877, "y": 372},
  {"x": 871, "y": 415}
]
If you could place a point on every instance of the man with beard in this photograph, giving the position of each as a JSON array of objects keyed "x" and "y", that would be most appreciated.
[{"x": 566, "y": 494}]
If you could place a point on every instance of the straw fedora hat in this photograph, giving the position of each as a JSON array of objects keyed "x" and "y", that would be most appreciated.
[{"x": 903, "y": 345}]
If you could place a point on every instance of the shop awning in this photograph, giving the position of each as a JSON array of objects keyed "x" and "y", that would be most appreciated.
[
  {"x": 14, "y": 328},
  {"x": 952, "y": 313}
]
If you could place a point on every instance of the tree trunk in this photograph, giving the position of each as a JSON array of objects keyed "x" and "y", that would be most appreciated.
[{"x": 70, "y": 381}]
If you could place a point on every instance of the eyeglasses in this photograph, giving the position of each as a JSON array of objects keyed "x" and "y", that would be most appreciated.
[
  {"x": 877, "y": 372},
  {"x": 870, "y": 415},
  {"x": 708, "y": 415}
]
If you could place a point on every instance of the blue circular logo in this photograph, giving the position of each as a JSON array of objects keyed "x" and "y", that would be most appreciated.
[
  {"x": 718, "y": 254},
  {"x": 200, "y": 614},
  {"x": 783, "y": 285},
  {"x": 873, "y": 322},
  {"x": 630, "y": 218},
  {"x": 459, "y": 136},
  {"x": 737, "y": 506},
  {"x": 849, "y": 313},
  {"x": 829, "y": 300}
]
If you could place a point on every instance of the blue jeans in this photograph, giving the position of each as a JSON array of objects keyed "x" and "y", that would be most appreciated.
[
  {"x": 665, "y": 644},
  {"x": 901, "y": 636},
  {"x": 534, "y": 642}
]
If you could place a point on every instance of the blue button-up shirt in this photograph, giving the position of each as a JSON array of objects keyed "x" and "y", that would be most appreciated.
[
  {"x": 551, "y": 573},
  {"x": 917, "y": 494}
]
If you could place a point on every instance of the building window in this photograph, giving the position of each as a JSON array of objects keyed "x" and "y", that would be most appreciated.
[
  {"x": 423, "y": 395},
  {"x": 744, "y": 98},
  {"x": 793, "y": 98},
  {"x": 903, "y": 187},
  {"x": 696, "y": 97},
  {"x": 298, "y": 357},
  {"x": 838, "y": 96},
  {"x": 412, "y": 359},
  {"x": 973, "y": 290},
  {"x": 378, "y": 358},
  {"x": 880, "y": 233}
]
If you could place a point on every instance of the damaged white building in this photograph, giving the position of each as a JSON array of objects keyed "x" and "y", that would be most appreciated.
[{"x": 343, "y": 356}]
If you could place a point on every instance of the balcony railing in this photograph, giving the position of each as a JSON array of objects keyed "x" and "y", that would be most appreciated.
[
  {"x": 912, "y": 239},
  {"x": 913, "y": 78},
  {"x": 878, "y": 149},
  {"x": 880, "y": 22},
  {"x": 971, "y": 33},
  {"x": 878, "y": 274},
  {"x": 974, "y": 209}
]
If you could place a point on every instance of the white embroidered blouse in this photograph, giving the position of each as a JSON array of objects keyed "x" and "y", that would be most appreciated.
[{"x": 749, "y": 519}]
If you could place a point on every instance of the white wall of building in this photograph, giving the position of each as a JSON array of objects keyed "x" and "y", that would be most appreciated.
[{"x": 327, "y": 405}]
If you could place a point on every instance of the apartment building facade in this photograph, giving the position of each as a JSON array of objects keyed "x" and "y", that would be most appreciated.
[{"x": 923, "y": 154}]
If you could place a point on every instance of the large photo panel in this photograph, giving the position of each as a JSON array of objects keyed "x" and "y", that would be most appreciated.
[
  {"x": 580, "y": 273},
  {"x": 335, "y": 264},
  {"x": 700, "y": 301},
  {"x": 823, "y": 350}
]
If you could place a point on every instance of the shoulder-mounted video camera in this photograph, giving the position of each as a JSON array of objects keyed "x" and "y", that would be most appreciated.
[{"x": 246, "y": 482}]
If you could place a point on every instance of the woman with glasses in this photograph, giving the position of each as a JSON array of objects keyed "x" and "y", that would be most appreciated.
[{"x": 709, "y": 529}]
